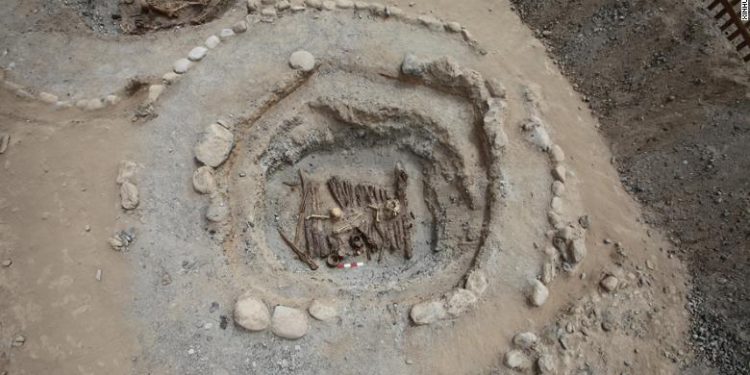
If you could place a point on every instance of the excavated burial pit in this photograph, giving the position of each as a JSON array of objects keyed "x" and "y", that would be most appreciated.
[{"x": 360, "y": 127}]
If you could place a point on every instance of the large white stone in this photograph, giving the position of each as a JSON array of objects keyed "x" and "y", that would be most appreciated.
[
  {"x": 428, "y": 312},
  {"x": 214, "y": 145},
  {"x": 289, "y": 323},
  {"x": 128, "y": 195},
  {"x": 251, "y": 313},
  {"x": 203, "y": 180},
  {"x": 181, "y": 66},
  {"x": 525, "y": 340},
  {"x": 578, "y": 250},
  {"x": 538, "y": 293},
  {"x": 225, "y": 34},
  {"x": 126, "y": 171},
  {"x": 517, "y": 360},
  {"x": 323, "y": 310},
  {"x": 212, "y": 41},
  {"x": 302, "y": 60},
  {"x": 218, "y": 208},
  {"x": 344, "y": 4},
  {"x": 197, "y": 53},
  {"x": 460, "y": 301}
]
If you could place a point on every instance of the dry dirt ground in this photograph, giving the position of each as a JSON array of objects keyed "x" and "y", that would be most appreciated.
[
  {"x": 674, "y": 103},
  {"x": 484, "y": 188}
]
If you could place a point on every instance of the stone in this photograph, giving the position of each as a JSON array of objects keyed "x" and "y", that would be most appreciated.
[
  {"x": 517, "y": 360},
  {"x": 289, "y": 323},
  {"x": 298, "y": 7},
  {"x": 315, "y": 4},
  {"x": 218, "y": 209},
  {"x": 584, "y": 221},
  {"x": 197, "y": 53},
  {"x": 128, "y": 195},
  {"x": 239, "y": 27},
  {"x": 558, "y": 188},
  {"x": 559, "y": 173},
  {"x": 252, "y": 5},
  {"x": 539, "y": 137},
  {"x": 496, "y": 88},
  {"x": 344, "y": 4},
  {"x": 283, "y": 5},
  {"x": 538, "y": 293},
  {"x": 181, "y": 66},
  {"x": 525, "y": 340},
  {"x": 556, "y": 154},
  {"x": 214, "y": 145},
  {"x": 154, "y": 92},
  {"x": 460, "y": 301},
  {"x": 48, "y": 98},
  {"x": 18, "y": 341},
  {"x": 361, "y": 5},
  {"x": 114, "y": 99},
  {"x": 94, "y": 104},
  {"x": 557, "y": 205},
  {"x": 268, "y": 2},
  {"x": 389, "y": 11},
  {"x": 609, "y": 283},
  {"x": 169, "y": 78},
  {"x": 329, "y": 5},
  {"x": 251, "y": 314},
  {"x": 431, "y": 22},
  {"x": 7, "y": 263},
  {"x": 547, "y": 364},
  {"x": 428, "y": 312},
  {"x": 225, "y": 34},
  {"x": 453, "y": 27},
  {"x": 302, "y": 60},
  {"x": 477, "y": 282},
  {"x": 122, "y": 239},
  {"x": 549, "y": 272},
  {"x": 212, "y": 41},
  {"x": 577, "y": 250},
  {"x": 567, "y": 233},
  {"x": 67, "y": 104},
  {"x": 413, "y": 65},
  {"x": 203, "y": 180},
  {"x": 493, "y": 124},
  {"x": 323, "y": 310},
  {"x": 555, "y": 220},
  {"x": 126, "y": 171}
]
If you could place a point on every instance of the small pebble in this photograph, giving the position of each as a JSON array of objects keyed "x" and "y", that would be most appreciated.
[{"x": 7, "y": 263}]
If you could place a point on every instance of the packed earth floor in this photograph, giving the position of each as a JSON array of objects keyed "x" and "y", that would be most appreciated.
[{"x": 422, "y": 187}]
